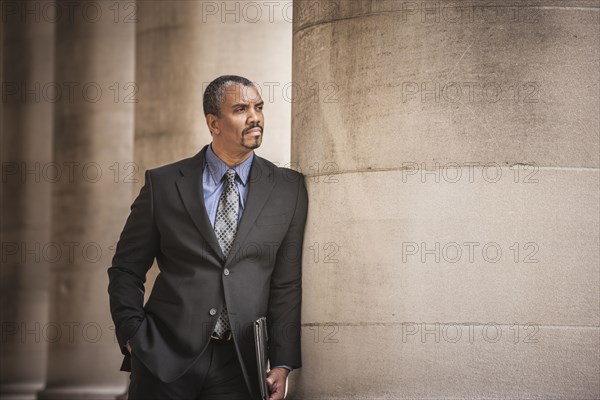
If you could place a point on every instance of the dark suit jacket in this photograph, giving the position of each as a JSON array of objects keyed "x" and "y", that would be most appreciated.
[{"x": 262, "y": 275}]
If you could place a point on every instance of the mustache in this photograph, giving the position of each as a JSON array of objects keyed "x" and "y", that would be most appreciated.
[{"x": 252, "y": 127}]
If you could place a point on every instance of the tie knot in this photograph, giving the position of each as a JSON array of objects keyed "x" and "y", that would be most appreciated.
[{"x": 230, "y": 175}]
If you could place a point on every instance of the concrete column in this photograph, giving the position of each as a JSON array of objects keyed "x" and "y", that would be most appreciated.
[
  {"x": 94, "y": 147},
  {"x": 28, "y": 55},
  {"x": 452, "y": 246}
]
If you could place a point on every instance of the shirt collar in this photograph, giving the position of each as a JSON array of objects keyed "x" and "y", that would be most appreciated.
[{"x": 217, "y": 168}]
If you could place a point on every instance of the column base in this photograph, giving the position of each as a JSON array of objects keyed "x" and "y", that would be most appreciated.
[
  {"x": 82, "y": 393},
  {"x": 20, "y": 391}
]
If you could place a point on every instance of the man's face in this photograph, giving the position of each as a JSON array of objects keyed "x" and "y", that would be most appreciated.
[{"x": 240, "y": 126}]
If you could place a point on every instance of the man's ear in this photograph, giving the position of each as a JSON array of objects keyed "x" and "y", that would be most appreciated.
[{"x": 212, "y": 121}]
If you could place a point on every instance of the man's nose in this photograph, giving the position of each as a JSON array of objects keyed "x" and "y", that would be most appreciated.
[{"x": 252, "y": 116}]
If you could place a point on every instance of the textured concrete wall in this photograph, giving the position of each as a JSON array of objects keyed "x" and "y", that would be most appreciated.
[{"x": 452, "y": 161}]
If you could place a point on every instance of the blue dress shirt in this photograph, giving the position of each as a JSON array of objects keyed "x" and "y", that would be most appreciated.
[{"x": 213, "y": 185}]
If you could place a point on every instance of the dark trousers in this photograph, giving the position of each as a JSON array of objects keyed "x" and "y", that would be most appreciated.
[{"x": 216, "y": 375}]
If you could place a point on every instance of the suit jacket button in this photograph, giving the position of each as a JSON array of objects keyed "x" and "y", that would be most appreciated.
[
  {"x": 226, "y": 272},
  {"x": 213, "y": 311}
]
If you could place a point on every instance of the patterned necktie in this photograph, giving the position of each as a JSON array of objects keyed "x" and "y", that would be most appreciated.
[{"x": 225, "y": 229}]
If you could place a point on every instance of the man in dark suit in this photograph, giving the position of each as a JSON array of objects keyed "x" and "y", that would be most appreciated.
[{"x": 226, "y": 228}]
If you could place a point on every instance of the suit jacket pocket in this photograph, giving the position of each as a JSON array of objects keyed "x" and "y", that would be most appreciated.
[{"x": 263, "y": 220}]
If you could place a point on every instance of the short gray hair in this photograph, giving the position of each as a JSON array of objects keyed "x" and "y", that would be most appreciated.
[{"x": 214, "y": 95}]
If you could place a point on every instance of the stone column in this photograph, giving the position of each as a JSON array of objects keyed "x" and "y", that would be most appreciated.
[
  {"x": 452, "y": 245},
  {"x": 28, "y": 56},
  {"x": 93, "y": 147}
]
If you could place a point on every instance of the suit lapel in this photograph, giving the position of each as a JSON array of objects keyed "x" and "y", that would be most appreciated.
[
  {"x": 190, "y": 189},
  {"x": 261, "y": 182},
  {"x": 192, "y": 195}
]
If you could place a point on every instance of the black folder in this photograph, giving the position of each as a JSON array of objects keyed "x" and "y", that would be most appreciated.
[{"x": 260, "y": 341}]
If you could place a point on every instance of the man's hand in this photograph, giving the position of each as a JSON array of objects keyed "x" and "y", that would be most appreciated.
[{"x": 276, "y": 381}]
